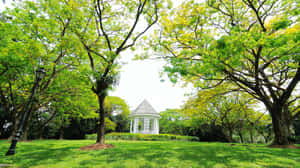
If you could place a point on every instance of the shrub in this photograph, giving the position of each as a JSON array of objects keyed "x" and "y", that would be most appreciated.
[
  {"x": 91, "y": 136},
  {"x": 144, "y": 137}
]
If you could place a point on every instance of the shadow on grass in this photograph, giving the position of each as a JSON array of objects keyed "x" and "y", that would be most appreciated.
[
  {"x": 146, "y": 152},
  {"x": 228, "y": 156},
  {"x": 199, "y": 154},
  {"x": 150, "y": 154},
  {"x": 29, "y": 154}
]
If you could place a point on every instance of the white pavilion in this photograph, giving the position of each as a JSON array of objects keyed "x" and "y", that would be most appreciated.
[{"x": 144, "y": 119}]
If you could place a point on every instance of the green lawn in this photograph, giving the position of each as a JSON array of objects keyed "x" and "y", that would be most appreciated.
[{"x": 66, "y": 153}]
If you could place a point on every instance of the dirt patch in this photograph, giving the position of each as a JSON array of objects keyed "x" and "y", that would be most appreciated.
[
  {"x": 25, "y": 141},
  {"x": 238, "y": 145},
  {"x": 97, "y": 147},
  {"x": 284, "y": 146},
  {"x": 271, "y": 146},
  {"x": 9, "y": 141}
]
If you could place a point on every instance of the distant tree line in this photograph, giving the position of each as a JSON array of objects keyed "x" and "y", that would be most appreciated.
[
  {"x": 211, "y": 116},
  {"x": 44, "y": 125}
]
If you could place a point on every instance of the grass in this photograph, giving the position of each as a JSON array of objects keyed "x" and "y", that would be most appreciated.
[{"x": 146, "y": 154}]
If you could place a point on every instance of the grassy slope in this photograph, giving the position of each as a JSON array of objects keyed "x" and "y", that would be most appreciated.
[{"x": 66, "y": 153}]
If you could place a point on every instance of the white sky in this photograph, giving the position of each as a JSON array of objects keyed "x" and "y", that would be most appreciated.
[{"x": 141, "y": 80}]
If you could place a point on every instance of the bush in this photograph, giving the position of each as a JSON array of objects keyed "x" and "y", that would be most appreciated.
[
  {"x": 91, "y": 136},
  {"x": 144, "y": 137}
]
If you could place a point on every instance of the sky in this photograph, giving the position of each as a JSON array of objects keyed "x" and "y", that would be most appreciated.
[{"x": 140, "y": 80}]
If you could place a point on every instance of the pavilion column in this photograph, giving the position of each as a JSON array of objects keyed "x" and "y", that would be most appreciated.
[
  {"x": 131, "y": 126},
  {"x": 136, "y": 125},
  {"x": 156, "y": 126},
  {"x": 151, "y": 126},
  {"x": 146, "y": 125}
]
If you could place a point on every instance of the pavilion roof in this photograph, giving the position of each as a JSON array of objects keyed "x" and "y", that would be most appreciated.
[{"x": 144, "y": 108}]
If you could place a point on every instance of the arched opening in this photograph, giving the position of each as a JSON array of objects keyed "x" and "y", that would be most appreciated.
[{"x": 141, "y": 124}]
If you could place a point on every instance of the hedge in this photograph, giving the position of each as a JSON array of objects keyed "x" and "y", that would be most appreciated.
[{"x": 144, "y": 137}]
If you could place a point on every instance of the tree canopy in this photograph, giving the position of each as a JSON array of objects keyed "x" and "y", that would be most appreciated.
[{"x": 252, "y": 44}]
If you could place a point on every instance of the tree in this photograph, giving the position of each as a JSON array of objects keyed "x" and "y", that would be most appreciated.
[
  {"x": 253, "y": 44},
  {"x": 173, "y": 122},
  {"x": 111, "y": 28},
  {"x": 263, "y": 126},
  {"x": 230, "y": 112},
  {"x": 68, "y": 98},
  {"x": 177, "y": 121},
  {"x": 117, "y": 111},
  {"x": 34, "y": 35}
]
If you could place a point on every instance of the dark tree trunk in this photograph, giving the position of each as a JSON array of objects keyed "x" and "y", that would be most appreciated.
[
  {"x": 251, "y": 134},
  {"x": 25, "y": 133},
  {"x": 280, "y": 126},
  {"x": 26, "y": 126},
  {"x": 16, "y": 118},
  {"x": 268, "y": 137},
  {"x": 100, "y": 123},
  {"x": 229, "y": 137},
  {"x": 15, "y": 126},
  {"x": 61, "y": 131},
  {"x": 241, "y": 136},
  {"x": 42, "y": 132},
  {"x": 43, "y": 125},
  {"x": 289, "y": 119}
]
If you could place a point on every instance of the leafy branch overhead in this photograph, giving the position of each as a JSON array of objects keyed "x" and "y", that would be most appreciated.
[{"x": 252, "y": 44}]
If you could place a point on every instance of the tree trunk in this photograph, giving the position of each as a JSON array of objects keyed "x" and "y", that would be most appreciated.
[
  {"x": 100, "y": 123},
  {"x": 43, "y": 125},
  {"x": 241, "y": 137},
  {"x": 61, "y": 131},
  {"x": 42, "y": 132},
  {"x": 25, "y": 134},
  {"x": 288, "y": 119},
  {"x": 27, "y": 126},
  {"x": 267, "y": 138},
  {"x": 251, "y": 134},
  {"x": 280, "y": 126},
  {"x": 229, "y": 137},
  {"x": 15, "y": 122}
]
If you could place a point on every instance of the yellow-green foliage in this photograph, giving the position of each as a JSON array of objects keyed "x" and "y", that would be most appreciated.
[{"x": 145, "y": 137}]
